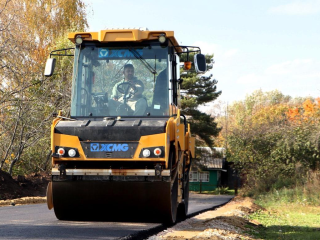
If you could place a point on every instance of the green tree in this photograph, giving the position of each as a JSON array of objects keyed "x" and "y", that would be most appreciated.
[{"x": 197, "y": 90}]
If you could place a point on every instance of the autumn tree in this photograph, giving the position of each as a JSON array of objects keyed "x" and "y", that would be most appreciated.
[
  {"x": 273, "y": 139},
  {"x": 30, "y": 29}
]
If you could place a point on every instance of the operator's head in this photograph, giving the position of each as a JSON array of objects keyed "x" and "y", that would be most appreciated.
[{"x": 128, "y": 72}]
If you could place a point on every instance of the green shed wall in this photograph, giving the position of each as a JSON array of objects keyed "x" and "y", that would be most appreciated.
[{"x": 206, "y": 186}]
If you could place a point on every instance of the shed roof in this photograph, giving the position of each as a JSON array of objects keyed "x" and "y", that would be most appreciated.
[
  {"x": 212, "y": 158},
  {"x": 213, "y": 163}
]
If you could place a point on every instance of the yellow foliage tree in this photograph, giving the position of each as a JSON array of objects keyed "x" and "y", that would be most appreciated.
[
  {"x": 28, "y": 31},
  {"x": 272, "y": 138},
  {"x": 307, "y": 111}
]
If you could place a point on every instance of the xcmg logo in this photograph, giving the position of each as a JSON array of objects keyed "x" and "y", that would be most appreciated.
[
  {"x": 109, "y": 147},
  {"x": 118, "y": 53}
]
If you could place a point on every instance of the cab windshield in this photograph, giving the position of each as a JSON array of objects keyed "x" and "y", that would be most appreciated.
[{"x": 120, "y": 81}]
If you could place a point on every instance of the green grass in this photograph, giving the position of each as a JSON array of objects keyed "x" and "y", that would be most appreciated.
[{"x": 290, "y": 214}]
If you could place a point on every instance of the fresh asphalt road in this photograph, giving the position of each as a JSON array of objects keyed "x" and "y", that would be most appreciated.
[{"x": 37, "y": 222}]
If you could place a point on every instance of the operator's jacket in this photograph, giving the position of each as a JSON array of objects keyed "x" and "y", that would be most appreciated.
[
  {"x": 137, "y": 102},
  {"x": 137, "y": 83}
]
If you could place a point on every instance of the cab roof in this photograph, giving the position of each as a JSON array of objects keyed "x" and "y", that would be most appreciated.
[{"x": 123, "y": 35}]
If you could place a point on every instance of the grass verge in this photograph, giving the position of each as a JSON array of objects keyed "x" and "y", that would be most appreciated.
[{"x": 289, "y": 214}]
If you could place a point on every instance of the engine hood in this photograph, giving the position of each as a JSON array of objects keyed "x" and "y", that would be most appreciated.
[{"x": 111, "y": 130}]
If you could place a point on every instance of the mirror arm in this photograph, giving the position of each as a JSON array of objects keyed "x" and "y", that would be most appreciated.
[
  {"x": 64, "y": 50},
  {"x": 179, "y": 81},
  {"x": 188, "y": 50}
]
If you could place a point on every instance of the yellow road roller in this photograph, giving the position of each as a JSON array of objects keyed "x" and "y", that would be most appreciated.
[{"x": 124, "y": 151}]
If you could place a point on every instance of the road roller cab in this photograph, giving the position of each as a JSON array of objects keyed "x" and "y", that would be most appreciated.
[{"x": 125, "y": 150}]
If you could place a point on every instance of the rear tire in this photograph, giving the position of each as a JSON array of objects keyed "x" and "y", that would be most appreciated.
[
  {"x": 172, "y": 218},
  {"x": 183, "y": 207}
]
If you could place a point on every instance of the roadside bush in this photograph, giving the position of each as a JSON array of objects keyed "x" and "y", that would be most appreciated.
[
  {"x": 35, "y": 159},
  {"x": 274, "y": 144},
  {"x": 303, "y": 194}
]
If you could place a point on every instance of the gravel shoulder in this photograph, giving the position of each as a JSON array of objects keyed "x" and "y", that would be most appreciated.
[
  {"x": 22, "y": 201},
  {"x": 227, "y": 222}
]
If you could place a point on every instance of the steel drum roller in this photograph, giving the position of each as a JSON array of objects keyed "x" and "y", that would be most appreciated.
[{"x": 110, "y": 200}]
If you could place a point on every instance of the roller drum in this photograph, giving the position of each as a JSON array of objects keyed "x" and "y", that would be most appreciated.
[{"x": 115, "y": 200}]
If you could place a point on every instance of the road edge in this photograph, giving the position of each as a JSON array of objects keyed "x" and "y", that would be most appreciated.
[{"x": 144, "y": 234}]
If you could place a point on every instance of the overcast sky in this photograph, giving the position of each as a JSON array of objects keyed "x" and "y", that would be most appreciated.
[{"x": 266, "y": 45}]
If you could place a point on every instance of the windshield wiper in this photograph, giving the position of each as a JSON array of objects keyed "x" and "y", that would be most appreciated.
[{"x": 145, "y": 63}]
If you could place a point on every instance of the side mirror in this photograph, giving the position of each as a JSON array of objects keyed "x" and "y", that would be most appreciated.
[
  {"x": 200, "y": 63},
  {"x": 51, "y": 63}
]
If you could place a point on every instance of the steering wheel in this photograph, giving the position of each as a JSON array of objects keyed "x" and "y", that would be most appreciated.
[
  {"x": 125, "y": 87},
  {"x": 100, "y": 98}
]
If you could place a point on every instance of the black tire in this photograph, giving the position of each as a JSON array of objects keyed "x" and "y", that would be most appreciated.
[
  {"x": 183, "y": 207},
  {"x": 174, "y": 204},
  {"x": 172, "y": 217}
]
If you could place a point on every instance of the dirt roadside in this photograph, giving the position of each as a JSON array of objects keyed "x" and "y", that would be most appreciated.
[
  {"x": 227, "y": 222},
  {"x": 28, "y": 189}
]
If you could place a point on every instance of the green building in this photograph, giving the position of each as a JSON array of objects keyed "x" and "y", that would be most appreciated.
[{"x": 208, "y": 173}]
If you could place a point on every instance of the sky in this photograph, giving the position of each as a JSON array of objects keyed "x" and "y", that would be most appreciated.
[{"x": 265, "y": 45}]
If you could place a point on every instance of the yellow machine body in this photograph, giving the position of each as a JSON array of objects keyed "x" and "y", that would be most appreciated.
[{"x": 99, "y": 166}]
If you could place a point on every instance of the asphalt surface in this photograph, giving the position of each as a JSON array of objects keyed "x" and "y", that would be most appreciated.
[{"x": 37, "y": 222}]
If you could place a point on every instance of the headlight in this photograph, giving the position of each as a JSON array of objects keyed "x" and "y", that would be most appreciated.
[
  {"x": 79, "y": 40},
  {"x": 72, "y": 152},
  {"x": 162, "y": 38},
  {"x": 146, "y": 153}
]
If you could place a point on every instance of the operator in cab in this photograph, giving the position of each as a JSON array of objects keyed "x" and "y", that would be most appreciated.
[{"x": 126, "y": 98}]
